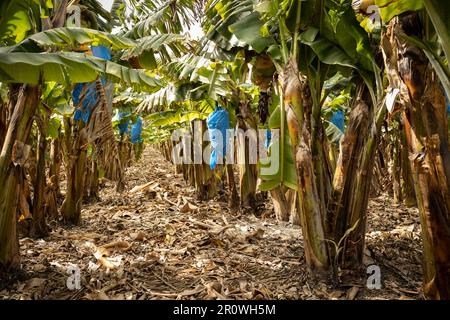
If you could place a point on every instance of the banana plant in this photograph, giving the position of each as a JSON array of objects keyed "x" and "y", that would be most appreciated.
[
  {"x": 308, "y": 42},
  {"x": 32, "y": 59},
  {"x": 435, "y": 42},
  {"x": 423, "y": 108}
]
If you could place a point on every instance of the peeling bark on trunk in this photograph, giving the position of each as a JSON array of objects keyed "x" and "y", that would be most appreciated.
[
  {"x": 353, "y": 252},
  {"x": 12, "y": 157},
  {"x": 396, "y": 170},
  {"x": 425, "y": 123},
  {"x": 3, "y": 126},
  {"x": 407, "y": 179},
  {"x": 347, "y": 169},
  {"x": 311, "y": 212}
]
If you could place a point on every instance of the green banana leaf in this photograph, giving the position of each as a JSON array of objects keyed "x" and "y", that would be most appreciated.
[
  {"x": 174, "y": 117},
  {"x": 155, "y": 43},
  {"x": 71, "y": 38},
  {"x": 391, "y": 8},
  {"x": 272, "y": 180},
  {"x": 333, "y": 133},
  {"x": 53, "y": 126},
  {"x": 327, "y": 51},
  {"x": 439, "y": 12},
  {"x": 17, "y": 19},
  {"x": 289, "y": 178},
  {"x": 67, "y": 68},
  {"x": 248, "y": 30}
]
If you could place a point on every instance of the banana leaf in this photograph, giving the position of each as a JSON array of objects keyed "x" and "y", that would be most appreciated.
[{"x": 67, "y": 68}]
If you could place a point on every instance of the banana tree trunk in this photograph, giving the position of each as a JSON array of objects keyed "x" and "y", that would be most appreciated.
[
  {"x": 3, "y": 125},
  {"x": 353, "y": 252},
  {"x": 347, "y": 168},
  {"x": 298, "y": 107},
  {"x": 248, "y": 172},
  {"x": 13, "y": 156},
  {"x": 87, "y": 176},
  {"x": 280, "y": 203},
  {"x": 312, "y": 213},
  {"x": 138, "y": 149},
  {"x": 39, "y": 227},
  {"x": 76, "y": 146},
  {"x": 396, "y": 168},
  {"x": 233, "y": 197},
  {"x": 285, "y": 204},
  {"x": 55, "y": 165},
  {"x": 427, "y": 138},
  {"x": 94, "y": 181},
  {"x": 407, "y": 179},
  {"x": 209, "y": 183}
]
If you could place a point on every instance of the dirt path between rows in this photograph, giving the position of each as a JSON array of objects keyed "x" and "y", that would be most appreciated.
[{"x": 152, "y": 245}]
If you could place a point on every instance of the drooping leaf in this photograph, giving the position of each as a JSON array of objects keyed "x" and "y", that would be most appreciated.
[
  {"x": 72, "y": 38},
  {"x": 272, "y": 178},
  {"x": 67, "y": 68},
  {"x": 17, "y": 19},
  {"x": 327, "y": 51},
  {"x": 333, "y": 133},
  {"x": 392, "y": 8},
  {"x": 173, "y": 117},
  {"x": 270, "y": 171},
  {"x": 439, "y": 12},
  {"x": 248, "y": 30},
  {"x": 155, "y": 43}
]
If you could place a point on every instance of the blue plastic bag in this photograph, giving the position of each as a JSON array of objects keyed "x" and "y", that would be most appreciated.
[
  {"x": 90, "y": 99},
  {"x": 91, "y": 95},
  {"x": 123, "y": 125},
  {"x": 338, "y": 120},
  {"x": 101, "y": 52},
  {"x": 218, "y": 122},
  {"x": 136, "y": 131}
]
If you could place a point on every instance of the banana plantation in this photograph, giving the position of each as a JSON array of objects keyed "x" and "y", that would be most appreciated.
[{"x": 224, "y": 149}]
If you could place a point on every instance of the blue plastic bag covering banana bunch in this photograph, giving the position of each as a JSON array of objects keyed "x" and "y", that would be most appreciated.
[
  {"x": 136, "y": 131},
  {"x": 338, "y": 119},
  {"x": 218, "y": 122},
  {"x": 88, "y": 91},
  {"x": 124, "y": 124}
]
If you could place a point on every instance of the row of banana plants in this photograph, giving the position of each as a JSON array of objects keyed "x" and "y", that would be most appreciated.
[
  {"x": 56, "y": 113},
  {"x": 280, "y": 65}
]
